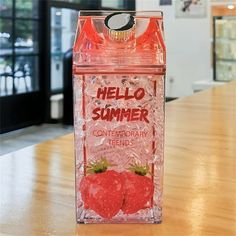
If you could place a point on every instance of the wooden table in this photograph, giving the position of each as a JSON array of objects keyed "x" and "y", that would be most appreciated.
[{"x": 37, "y": 183}]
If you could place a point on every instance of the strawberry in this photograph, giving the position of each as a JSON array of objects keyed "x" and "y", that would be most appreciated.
[
  {"x": 102, "y": 190},
  {"x": 138, "y": 189}
]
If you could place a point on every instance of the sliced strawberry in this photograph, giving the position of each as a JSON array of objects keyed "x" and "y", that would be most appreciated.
[
  {"x": 84, "y": 192},
  {"x": 102, "y": 191},
  {"x": 138, "y": 191}
]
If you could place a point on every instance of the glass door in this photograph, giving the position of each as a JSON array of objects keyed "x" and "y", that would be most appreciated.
[
  {"x": 21, "y": 86},
  {"x": 63, "y": 26},
  {"x": 225, "y": 48}
]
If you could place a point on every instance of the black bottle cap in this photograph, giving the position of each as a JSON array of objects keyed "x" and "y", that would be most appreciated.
[{"x": 119, "y": 21}]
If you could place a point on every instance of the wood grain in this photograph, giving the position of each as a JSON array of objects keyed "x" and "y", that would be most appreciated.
[{"x": 37, "y": 182}]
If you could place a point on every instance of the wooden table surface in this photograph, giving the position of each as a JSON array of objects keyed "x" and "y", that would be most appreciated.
[{"x": 37, "y": 182}]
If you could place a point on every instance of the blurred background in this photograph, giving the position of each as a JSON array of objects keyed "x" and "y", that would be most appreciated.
[{"x": 36, "y": 37}]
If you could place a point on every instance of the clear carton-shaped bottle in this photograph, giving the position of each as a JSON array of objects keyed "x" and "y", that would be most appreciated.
[{"x": 119, "y": 64}]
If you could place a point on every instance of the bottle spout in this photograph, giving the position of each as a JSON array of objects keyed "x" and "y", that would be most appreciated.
[{"x": 119, "y": 27}]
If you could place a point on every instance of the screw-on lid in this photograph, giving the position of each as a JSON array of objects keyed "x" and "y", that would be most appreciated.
[{"x": 120, "y": 25}]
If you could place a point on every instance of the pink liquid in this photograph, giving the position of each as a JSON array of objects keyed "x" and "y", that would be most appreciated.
[{"x": 119, "y": 115}]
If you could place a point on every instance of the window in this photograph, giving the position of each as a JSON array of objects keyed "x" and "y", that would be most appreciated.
[{"x": 19, "y": 55}]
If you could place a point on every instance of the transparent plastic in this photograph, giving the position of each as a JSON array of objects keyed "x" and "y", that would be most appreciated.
[{"x": 119, "y": 120}]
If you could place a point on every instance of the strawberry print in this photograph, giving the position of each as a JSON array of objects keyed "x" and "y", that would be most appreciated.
[
  {"x": 138, "y": 189},
  {"x": 102, "y": 190}
]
